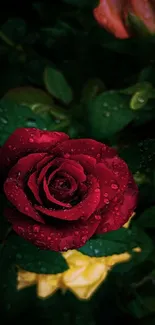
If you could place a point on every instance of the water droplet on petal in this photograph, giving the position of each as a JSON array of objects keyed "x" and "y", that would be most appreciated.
[
  {"x": 97, "y": 217},
  {"x": 106, "y": 194},
  {"x": 36, "y": 228},
  {"x": 20, "y": 230},
  {"x": 76, "y": 233},
  {"x": 97, "y": 190},
  {"x": 83, "y": 239},
  {"x": 67, "y": 155},
  {"x": 31, "y": 140},
  {"x": 114, "y": 186},
  {"x": 106, "y": 201},
  {"x": 26, "y": 209}
]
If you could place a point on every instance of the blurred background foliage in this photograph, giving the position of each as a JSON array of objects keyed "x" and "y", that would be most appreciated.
[{"x": 61, "y": 71}]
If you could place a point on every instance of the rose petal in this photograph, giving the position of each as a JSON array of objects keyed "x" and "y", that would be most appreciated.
[
  {"x": 83, "y": 209},
  {"x": 61, "y": 193},
  {"x": 33, "y": 186},
  {"x": 19, "y": 199},
  {"x": 57, "y": 238},
  {"x": 71, "y": 166},
  {"x": 118, "y": 214},
  {"x": 42, "y": 163},
  {"x": 79, "y": 146},
  {"x": 86, "y": 161},
  {"x": 74, "y": 169},
  {"x": 15, "y": 184},
  {"x": 119, "y": 169},
  {"x": 51, "y": 198},
  {"x": 27, "y": 140},
  {"x": 108, "y": 185}
]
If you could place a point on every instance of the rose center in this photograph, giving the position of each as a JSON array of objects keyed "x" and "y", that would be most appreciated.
[{"x": 60, "y": 183}]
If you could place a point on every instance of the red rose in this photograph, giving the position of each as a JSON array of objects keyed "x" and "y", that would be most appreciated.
[
  {"x": 113, "y": 15},
  {"x": 63, "y": 191}
]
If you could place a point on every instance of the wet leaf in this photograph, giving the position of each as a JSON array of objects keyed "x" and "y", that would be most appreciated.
[
  {"x": 119, "y": 241},
  {"x": 28, "y": 96},
  {"x": 108, "y": 113},
  {"x": 32, "y": 259},
  {"x": 57, "y": 85},
  {"x": 13, "y": 116}
]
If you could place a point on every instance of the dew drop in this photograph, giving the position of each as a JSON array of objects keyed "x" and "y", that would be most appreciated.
[
  {"x": 96, "y": 251},
  {"x": 67, "y": 155},
  {"x": 106, "y": 201},
  {"x": 20, "y": 230},
  {"x": 31, "y": 122},
  {"x": 19, "y": 256},
  {"x": 107, "y": 114},
  {"x": 83, "y": 239},
  {"x": 31, "y": 140},
  {"x": 97, "y": 217},
  {"x": 76, "y": 233},
  {"x": 114, "y": 186},
  {"x": 43, "y": 269},
  {"x": 36, "y": 228},
  {"x": 97, "y": 190},
  {"x": 4, "y": 120},
  {"x": 106, "y": 194},
  {"x": 26, "y": 209}
]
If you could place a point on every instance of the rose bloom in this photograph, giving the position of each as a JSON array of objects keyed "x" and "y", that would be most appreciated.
[{"x": 63, "y": 191}]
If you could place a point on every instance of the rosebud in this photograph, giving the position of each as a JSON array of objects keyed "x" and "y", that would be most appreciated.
[
  {"x": 109, "y": 14},
  {"x": 127, "y": 18}
]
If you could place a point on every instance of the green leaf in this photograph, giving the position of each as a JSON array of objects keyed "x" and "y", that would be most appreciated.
[
  {"x": 57, "y": 85},
  {"x": 32, "y": 259},
  {"x": 147, "y": 218},
  {"x": 13, "y": 116},
  {"x": 108, "y": 113},
  {"x": 117, "y": 242},
  {"x": 139, "y": 99},
  {"x": 42, "y": 104},
  {"x": 28, "y": 96}
]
